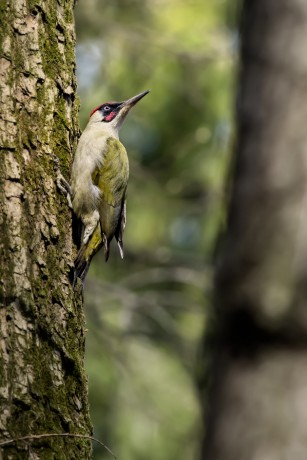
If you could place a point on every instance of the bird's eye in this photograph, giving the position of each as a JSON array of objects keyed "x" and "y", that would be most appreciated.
[{"x": 107, "y": 108}]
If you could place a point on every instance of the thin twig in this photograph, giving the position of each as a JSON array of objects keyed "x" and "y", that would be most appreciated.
[{"x": 51, "y": 435}]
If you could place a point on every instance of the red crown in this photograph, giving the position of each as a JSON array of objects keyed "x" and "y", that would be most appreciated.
[{"x": 97, "y": 108}]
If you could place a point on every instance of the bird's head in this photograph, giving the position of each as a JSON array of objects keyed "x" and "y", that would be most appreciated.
[{"x": 113, "y": 114}]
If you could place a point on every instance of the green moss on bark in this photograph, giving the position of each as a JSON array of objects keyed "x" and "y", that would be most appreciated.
[{"x": 44, "y": 323}]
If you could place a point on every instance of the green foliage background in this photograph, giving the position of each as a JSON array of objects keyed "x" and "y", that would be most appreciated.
[{"x": 146, "y": 314}]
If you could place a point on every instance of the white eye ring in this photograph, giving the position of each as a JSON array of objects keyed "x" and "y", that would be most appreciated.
[{"x": 107, "y": 108}]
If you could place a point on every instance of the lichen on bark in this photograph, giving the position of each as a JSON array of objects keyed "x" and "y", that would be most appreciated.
[{"x": 43, "y": 387}]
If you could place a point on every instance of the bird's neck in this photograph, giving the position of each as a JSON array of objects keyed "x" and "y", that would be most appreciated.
[{"x": 100, "y": 129}]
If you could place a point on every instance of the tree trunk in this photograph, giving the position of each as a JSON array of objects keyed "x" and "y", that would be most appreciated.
[
  {"x": 43, "y": 387},
  {"x": 258, "y": 374}
]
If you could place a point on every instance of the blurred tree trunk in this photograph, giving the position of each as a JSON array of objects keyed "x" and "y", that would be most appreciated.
[
  {"x": 43, "y": 387},
  {"x": 257, "y": 374}
]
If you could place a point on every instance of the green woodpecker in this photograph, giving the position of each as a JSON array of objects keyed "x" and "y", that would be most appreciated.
[{"x": 100, "y": 174}]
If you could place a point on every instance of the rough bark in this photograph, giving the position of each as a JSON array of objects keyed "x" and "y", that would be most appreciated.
[
  {"x": 257, "y": 404},
  {"x": 43, "y": 387}
]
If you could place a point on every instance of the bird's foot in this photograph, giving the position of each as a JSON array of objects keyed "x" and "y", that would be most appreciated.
[
  {"x": 62, "y": 184},
  {"x": 64, "y": 187}
]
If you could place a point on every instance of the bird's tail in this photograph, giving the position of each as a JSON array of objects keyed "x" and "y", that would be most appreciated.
[
  {"x": 85, "y": 255},
  {"x": 82, "y": 264},
  {"x": 120, "y": 245}
]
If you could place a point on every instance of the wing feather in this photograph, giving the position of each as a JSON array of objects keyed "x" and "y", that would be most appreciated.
[{"x": 112, "y": 178}]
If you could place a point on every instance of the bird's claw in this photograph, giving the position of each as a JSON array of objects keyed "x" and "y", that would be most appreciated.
[{"x": 64, "y": 187}]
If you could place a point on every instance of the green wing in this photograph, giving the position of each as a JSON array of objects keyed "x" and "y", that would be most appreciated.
[{"x": 112, "y": 179}]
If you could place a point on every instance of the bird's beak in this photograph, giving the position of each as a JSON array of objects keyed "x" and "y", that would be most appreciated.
[{"x": 127, "y": 105}]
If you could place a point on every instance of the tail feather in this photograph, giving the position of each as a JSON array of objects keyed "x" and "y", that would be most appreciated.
[
  {"x": 86, "y": 253},
  {"x": 81, "y": 265},
  {"x": 106, "y": 247},
  {"x": 120, "y": 229},
  {"x": 120, "y": 246},
  {"x": 96, "y": 240}
]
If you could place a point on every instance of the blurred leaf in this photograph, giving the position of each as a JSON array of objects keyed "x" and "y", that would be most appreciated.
[{"x": 146, "y": 314}]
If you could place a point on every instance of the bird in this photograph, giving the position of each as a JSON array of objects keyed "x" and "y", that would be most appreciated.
[{"x": 99, "y": 179}]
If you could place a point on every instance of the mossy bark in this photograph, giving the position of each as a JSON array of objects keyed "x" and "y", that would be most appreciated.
[
  {"x": 254, "y": 382},
  {"x": 43, "y": 387}
]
